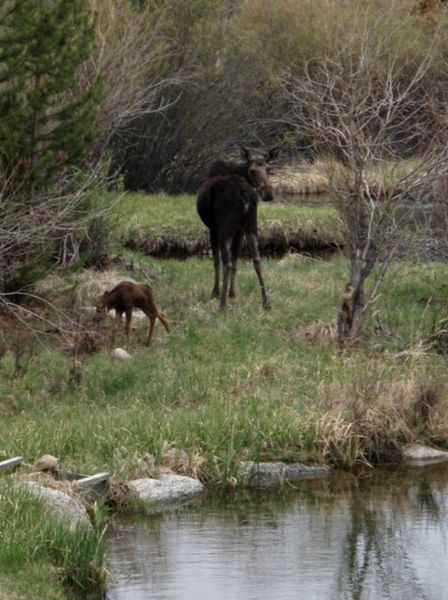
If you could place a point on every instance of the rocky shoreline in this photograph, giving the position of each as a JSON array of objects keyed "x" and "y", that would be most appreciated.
[{"x": 69, "y": 503}]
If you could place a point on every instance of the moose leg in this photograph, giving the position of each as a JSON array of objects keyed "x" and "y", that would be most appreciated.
[
  {"x": 253, "y": 247},
  {"x": 235, "y": 252},
  {"x": 152, "y": 322},
  {"x": 214, "y": 242},
  {"x": 128, "y": 325},
  {"x": 227, "y": 268},
  {"x": 118, "y": 316}
]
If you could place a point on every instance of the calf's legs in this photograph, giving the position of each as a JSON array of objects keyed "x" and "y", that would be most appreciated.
[
  {"x": 128, "y": 326},
  {"x": 116, "y": 325},
  {"x": 152, "y": 322}
]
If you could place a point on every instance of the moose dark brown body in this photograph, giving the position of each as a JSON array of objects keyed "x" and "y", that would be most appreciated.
[
  {"x": 227, "y": 204},
  {"x": 126, "y": 296}
]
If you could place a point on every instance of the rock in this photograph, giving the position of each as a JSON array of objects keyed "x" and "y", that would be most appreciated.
[
  {"x": 46, "y": 463},
  {"x": 61, "y": 506},
  {"x": 168, "y": 489},
  {"x": 270, "y": 474},
  {"x": 419, "y": 453},
  {"x": 121, "y": 354}
]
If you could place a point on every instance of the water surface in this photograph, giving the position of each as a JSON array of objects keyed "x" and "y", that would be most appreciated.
[{"x": 380, "y": 536}]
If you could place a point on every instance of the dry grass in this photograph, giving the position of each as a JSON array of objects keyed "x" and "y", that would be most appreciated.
[
  {"x": 7, "y": 593},
  {"x": 370, "y": 417},
  {"x": 79, "y": 290},
  {"x": 301, "y": 178},
  {"x": 315, "y": 332},
  {"x": 322, "y": 175}
]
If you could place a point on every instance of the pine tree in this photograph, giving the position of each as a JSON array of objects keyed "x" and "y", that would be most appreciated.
[{"x": 45, "y": 120}]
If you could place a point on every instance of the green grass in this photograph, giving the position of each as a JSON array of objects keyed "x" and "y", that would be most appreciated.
[
  {"x": 160, "y": 224},
  {"x": 177, "y": 214},
  {"x": 222, "y": 387},
  {"x": 57, "y": 560},
  {"x": 156, "y": 214},
  {"x": 225, "y": 387}
]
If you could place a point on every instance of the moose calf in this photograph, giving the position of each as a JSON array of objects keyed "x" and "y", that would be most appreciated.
[{"x": 126, "y": 296}]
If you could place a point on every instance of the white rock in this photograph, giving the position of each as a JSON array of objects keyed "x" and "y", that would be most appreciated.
[
  {"x": 421, "y": 453},
  {"x": 121, "y": 354},
  {"x": 59, "y": 505},
  {"x": 270, "y": 474},
  {"x": 169, "y": 489}
]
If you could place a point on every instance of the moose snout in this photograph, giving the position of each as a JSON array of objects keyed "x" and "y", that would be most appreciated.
[{"x": 266, "y": 193}]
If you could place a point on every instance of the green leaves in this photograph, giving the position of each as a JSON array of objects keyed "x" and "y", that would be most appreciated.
[{"x": 46, "y": 121}]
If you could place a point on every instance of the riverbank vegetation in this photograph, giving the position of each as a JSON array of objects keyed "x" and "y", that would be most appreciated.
[
  {"x": 58, "y": 560},
  {"x": 100, "y": 97},
  {"x": 168, "y": 226},
  {"x": 246, "y": 384},
  {"x": 247, "y": 54}
]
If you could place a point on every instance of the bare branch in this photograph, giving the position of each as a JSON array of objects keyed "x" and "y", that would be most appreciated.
[{"x": 362, "y": 111}]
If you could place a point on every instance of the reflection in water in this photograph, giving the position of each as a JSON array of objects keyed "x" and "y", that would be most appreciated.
[{"x": 377, "y": 537}]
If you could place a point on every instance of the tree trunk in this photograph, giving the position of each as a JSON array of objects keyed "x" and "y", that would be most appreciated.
[{"x": 351, "y": 308}]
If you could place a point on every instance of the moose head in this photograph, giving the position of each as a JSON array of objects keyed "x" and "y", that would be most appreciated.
[{"x": 258, "y": 172}]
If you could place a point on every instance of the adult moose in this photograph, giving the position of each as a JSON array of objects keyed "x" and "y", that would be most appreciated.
[{"x": 227, "y": 204}]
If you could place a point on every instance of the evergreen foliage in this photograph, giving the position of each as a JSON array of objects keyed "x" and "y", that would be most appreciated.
[{"x": 46, "y": 123}]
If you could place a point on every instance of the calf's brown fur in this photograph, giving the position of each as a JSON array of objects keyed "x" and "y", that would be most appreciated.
[{"x": 126, "y": 296}]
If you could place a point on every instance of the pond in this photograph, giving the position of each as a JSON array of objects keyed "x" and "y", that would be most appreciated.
[{"x": 382, "y": 535}]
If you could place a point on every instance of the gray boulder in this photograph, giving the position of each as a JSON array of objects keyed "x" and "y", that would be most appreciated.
[
  {"x": 271, "y": 474},
  {"x": 421, "y": 454},
  {"x": 61, "y": 506},
  {"x": 169, "y": 489}
]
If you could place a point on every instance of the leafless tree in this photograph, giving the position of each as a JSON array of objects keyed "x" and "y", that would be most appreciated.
[
  {"x": 130, "y": 56},
  {"x": 36, "y": 234},
  {"x": 33, "y": 228},
  {"x": 364, "y": 112}
]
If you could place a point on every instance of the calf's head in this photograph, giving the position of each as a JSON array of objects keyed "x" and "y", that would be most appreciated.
[
  {"x": 258, "y": 171},
  {"x": 101, "y": 305}
]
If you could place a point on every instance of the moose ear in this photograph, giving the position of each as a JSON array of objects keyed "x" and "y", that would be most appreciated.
[
  {"x": 272, "y": 154},
  {"x": 245, "y": 154}
]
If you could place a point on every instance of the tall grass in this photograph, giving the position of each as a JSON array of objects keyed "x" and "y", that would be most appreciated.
[{"x": 29, "y": 536}]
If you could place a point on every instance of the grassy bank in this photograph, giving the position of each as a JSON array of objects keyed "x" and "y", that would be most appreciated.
[
  {"x": 169, "y": 227},
  {"x": 221, "y": 387},
  {"x": 246, "y": 384},
  {"x": 58, "y": 562}
]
